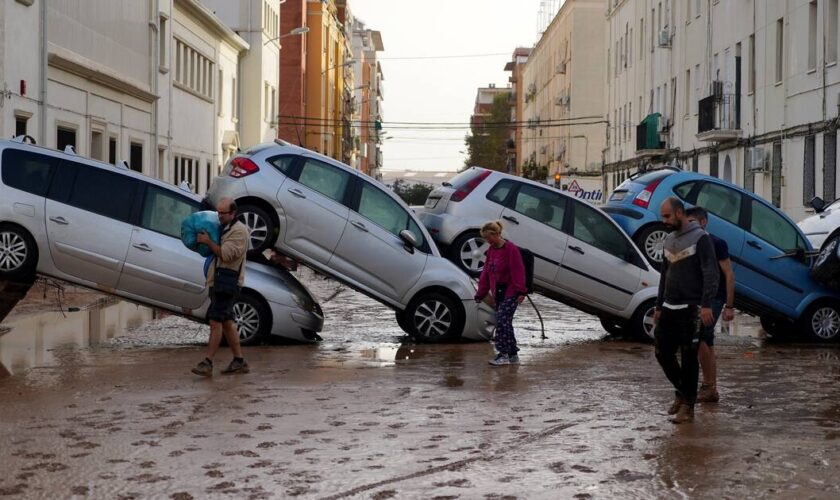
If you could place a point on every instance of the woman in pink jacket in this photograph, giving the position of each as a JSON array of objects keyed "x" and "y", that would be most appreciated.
[{"x": 503, "y": 278}]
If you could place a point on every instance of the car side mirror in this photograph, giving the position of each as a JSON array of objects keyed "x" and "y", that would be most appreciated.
[
  {"x": 818, "y": 204},
  {"x": 409, "y": 239}
]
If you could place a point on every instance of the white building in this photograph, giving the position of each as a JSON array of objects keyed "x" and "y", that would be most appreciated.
[{"x": 742, "y": 90}]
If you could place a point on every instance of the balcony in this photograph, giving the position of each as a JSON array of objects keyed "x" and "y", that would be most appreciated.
[
  {"x": 719, "y": 118},
  {"x": 648, "y": 142}
]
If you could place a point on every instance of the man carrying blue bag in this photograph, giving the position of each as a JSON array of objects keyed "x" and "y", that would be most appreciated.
[{"x": 225, "y": 278}]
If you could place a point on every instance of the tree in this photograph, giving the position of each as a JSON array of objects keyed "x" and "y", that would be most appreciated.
[
  {"x": 412, "y": 194},
  {"x": 487, "y": 142}
]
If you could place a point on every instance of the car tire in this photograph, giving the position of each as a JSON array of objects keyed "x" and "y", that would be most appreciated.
[
  {"x": 821, "y": 321},
  {"x": 401, "y": 321},
  {"x": 468, "y": 253},
  {"x": 252, "y": 318},
  {"x": 826, "y": 268},
  {"x": 262, "y": 229},
  {"x": 650, "y": 241},
  {"x": 18, "y": 254},
  {"x": 641, "y": 323},
  {"x": 613, "y": 326},
  {"x": 776, "y": 327},
  {"x": 434, "y": 317}
]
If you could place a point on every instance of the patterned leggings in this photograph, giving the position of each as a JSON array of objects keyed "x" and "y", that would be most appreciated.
[{"x": 504, "y": 338}]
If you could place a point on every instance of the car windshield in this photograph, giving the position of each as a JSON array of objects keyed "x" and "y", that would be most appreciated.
[{"x": 461, "y": 180}]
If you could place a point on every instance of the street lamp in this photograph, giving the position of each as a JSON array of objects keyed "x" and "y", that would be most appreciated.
[{"x": 297, "y": 31}]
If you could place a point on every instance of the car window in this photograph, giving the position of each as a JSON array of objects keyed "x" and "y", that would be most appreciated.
[
  {"x": 682, "y": 191},
  {"x": 500, "y": 191},
  {"x": 163, "y": 211},
  {"x": 771, "y": 227},
  {"x": 721, "y": 201},
  {"x": 283, "y": 163},
  {"x": 383, "y": 210},
  {"x": 27, "y": 171},
  {"x": 326, "y": 179},
  {"x": 105, "y": 193},
  {"x": 541, "y": 205},
  {"x": 595, "y": 229},
  {"x": 463, "y": 179}
]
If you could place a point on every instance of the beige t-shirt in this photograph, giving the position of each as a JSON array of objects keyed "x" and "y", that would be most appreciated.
[{"x": 234, "y": 247}]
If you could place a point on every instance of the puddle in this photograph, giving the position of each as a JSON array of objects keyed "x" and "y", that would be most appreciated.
[{"x": 34, "y": 341}]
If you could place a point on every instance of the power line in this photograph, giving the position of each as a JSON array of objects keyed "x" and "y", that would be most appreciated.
[{"x": 458, "y": 56}]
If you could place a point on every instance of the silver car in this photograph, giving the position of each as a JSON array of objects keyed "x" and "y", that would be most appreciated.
[
  {"x": 349, "y": 226},
  {"x": 118, "y": 231},
  {"x": 582, "y": 257}
]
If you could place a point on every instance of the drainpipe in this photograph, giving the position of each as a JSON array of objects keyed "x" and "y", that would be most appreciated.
[
  {"x": 154, "y": 28},
  {"x": 42, "y": 132}
]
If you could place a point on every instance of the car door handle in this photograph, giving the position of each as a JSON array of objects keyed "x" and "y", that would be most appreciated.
[
  {"x": 511, "y": 218},
  {"x": 577, "y": 249},
  {"x": 297, "y": 192},
  {"x": 359, "y": 225},
  {"x": 142, "y": 246},
  {"x": 59, "y": 220},
  {"x": 754, "y": 244}
]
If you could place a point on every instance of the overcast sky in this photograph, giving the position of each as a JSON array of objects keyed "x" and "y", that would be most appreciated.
[{"x": 441, "y": 89}]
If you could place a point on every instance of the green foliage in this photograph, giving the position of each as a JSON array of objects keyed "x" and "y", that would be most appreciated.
[
  {"x": 487, "y": 145},
  {"x": 412, "y": 194}
]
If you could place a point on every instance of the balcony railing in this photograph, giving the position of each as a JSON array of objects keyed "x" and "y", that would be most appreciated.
[
  {"x": 718, "y": 118},
  {"x": 648, "y": 142}
]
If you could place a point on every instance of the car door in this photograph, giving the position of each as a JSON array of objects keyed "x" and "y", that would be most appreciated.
[
  {"x": 158, "y": 268},
  {"x": 777, "y": 280},
  {"x": 89, "y": 221},
  {"x": 314, "y": 204},
  {"x": 600, "y": 264},
  {"x": 534, "y": 220},
  {"x": 371, "y": 251}
]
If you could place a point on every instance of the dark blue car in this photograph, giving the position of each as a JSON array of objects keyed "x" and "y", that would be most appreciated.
[{"x": 771, "y": 256}]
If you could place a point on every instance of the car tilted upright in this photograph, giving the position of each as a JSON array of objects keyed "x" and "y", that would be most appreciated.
[
  {"x": 581, "y": 256},
  {"x": 118, "y": 231},
  {"x": 349, "y": 226},
  {"x": 771, "y": 256}
]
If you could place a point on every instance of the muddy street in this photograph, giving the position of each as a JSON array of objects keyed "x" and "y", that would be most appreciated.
[{"x": 365, "y": 414}]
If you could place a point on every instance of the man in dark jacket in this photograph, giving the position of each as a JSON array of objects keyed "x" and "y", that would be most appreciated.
[{"x": 688, "y": 283}]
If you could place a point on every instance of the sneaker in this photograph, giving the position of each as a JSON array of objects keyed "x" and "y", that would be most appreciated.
[
  {"x": 684, "y": 415},
  {"x": 708, "y": 394},
  {"x": 500, "y": 359},
  {"x": 236, "y": 367},
  {"x": 204, "y": 368},
  {"x": 514, "y": 359},
  {"x": 675, "y": 406}
]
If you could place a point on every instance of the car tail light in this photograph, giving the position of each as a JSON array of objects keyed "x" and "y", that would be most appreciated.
[
  {"x": 242, "y": 167},
  {"x": 468, "y": 188},
  {"x": 643, "y": 198}
]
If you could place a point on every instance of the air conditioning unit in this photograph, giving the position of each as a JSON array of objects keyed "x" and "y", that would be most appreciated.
[
  {"x": 567, "y": 100},
  {"x": 558, "y": 100},
  {"x": 561, "y": 68},
  {"x": 532, "y": 88},
  {"x": 758, "y": 159},
  {"x": 665, "y": 38}
]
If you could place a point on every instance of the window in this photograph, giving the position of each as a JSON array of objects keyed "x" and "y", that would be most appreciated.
[
  {"x": 20, "y": 125},
  {"x": 163, "y": 47},
  {"x": 283, "y": 163},
  {"x": 220, "y": 98},
  {"x": 687, "y": 104},
  {"x": 780, "y": 49},
  {"x": 642, "y": 38},
  {"x": 234, "y": 100},
  {"x": 682, "y": 191},
  {"x": 377, "y": 206},
  {"x": 721, "y": 201},
  {"x": 27, "y": 171},
  {"x": 105, "y": 193},
  {"x": 751, "y": 73},
  {"x": 500, "y": 191},
  {"x": 136, "y": 157},
  {"x": 831, "y": 43},
  {"x": 591, "y": 227},
  {"x": 830, "y": 172},
  {"x": 186, "y": 169},
  {"x": 541, "y": 205},
  {"x": 812, "y": 35},
  {"x": 164, "y": 210},
  {"x": 694, "y": 101},
  {"x": 65, "y": 137},
  {"x": 96, "y": 144},
  {"x": 771, "y": 227},
  {"x": 112, "y": 150},
  {"x": 326, "y": 179},
  {"x": 193, "y": 71},
  {"x": 809, "y": 171}
]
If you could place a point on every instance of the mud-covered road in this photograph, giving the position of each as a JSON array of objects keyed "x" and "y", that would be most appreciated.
[{"x": 366, "y": 415}]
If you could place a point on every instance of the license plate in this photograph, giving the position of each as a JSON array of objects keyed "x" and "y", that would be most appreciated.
[
  {"x": 618, "y": 196},
  {"x": 431, "y": 202}
]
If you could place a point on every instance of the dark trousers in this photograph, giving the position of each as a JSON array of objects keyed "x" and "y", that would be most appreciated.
[{"x": 679, "y": 330}]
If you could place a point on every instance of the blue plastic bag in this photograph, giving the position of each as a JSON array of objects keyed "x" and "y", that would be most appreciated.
[{"x": 207, "y": 221}]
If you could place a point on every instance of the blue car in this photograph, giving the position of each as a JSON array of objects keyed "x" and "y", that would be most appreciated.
[{"x": 770, "y": 255}]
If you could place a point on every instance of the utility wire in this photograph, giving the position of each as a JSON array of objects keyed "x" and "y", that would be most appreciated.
[{"x": 458, "y": 56}]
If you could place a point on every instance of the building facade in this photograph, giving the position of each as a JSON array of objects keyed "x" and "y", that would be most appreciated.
[
  {"x": 517, "y": 113},
  {"x": 367, "y": 99},
  {"x": 744, "y": 91},
  {"x": 562, "y": 96},
  {"x": 293, "y": 74}
]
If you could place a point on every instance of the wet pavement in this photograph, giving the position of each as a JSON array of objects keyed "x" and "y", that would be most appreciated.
[{"x": 365, "y": 414}]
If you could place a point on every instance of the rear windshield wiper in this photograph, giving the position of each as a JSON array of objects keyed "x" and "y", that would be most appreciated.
[{"x": 446, "y": 184}]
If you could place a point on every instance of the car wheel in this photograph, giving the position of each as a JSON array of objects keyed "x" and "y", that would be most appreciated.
[
  {"x": 18, "y": 253},
  {"x": 826, "y": 268},
  {"x": 775, "y": 326},
  {"x": 434, "y": 317},
  {"x": 651, "y": 240},
  {"x": 821, "y": 321},
  {"x": 469, "y": 252},
  {"x": 613, "y": 326},
  {"x": 642, "y": 321},
  {"x": 252, "y": 318},
  {"x": 261, "y": 227}
]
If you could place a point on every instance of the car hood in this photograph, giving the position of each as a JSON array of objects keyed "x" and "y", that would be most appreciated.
[{"x": 823, "y": 222}]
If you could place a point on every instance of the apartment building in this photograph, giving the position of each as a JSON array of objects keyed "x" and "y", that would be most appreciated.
[
  {"x": 367, "y": 99},
  {"x": 517, "y": 112},
  {"x": 561, "y": 91},
  {"x": 746, "y": 91}
]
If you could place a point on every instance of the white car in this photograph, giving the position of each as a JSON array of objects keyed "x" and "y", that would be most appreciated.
[{"x": 824, "y": 225}]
